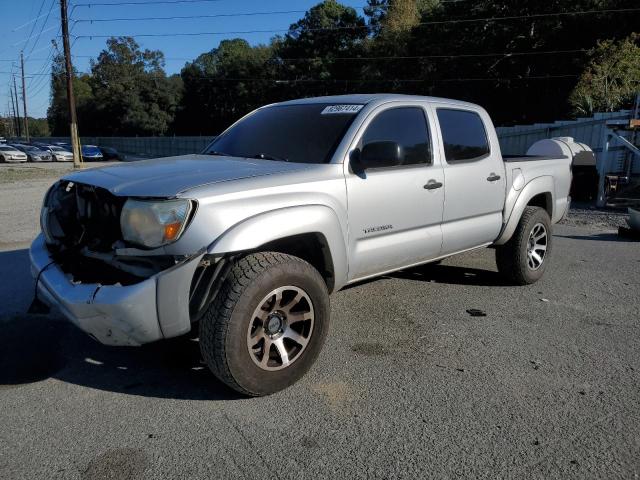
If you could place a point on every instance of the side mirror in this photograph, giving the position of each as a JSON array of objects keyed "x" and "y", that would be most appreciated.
[{"x": 380, "y": 154}]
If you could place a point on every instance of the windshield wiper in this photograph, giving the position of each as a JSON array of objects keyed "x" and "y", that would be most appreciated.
[
  {"x": 266, "y": 156},
  {"x": 220, "y": 154}
]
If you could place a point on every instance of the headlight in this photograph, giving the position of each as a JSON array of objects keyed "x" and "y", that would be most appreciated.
[{"x": 153, "y": 223}]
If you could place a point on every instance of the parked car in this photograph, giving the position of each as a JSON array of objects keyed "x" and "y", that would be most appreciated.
[
  {"x": 34, "y": 154},
  {"x": 59, "y": 154},
  {"x": 110, "y": 153},
  {"x": 291, "y": 203},
  {"x": 65, "y": 145},
  {"x": 11, "y": 154},
  {"x": 91, "y": 153}
]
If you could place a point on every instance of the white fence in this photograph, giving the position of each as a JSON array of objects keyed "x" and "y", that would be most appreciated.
[{"x": 591, "y": 131}]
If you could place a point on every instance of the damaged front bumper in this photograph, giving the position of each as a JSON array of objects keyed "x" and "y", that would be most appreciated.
[{"x": 153, "y": 309}]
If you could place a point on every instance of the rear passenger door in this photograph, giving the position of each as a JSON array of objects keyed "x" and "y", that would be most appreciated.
[
  {"x": 394, "y": 211},
  {"x": 474, "y": 178}
]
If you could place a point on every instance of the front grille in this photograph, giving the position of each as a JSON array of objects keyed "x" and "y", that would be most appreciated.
[{"x": 80, "y": 215}]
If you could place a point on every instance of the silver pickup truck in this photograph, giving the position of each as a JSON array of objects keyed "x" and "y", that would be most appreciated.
[{"x": 291, "y": 203}]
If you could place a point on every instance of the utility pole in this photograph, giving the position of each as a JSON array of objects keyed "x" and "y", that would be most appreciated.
[
  {"x": 75, "y": 142},
  {"x": 24, "y": 100},
  {"x": 12, "y": 112},
  {"x": 10, "y": 121},
  {"x": 15, "y": 93}
]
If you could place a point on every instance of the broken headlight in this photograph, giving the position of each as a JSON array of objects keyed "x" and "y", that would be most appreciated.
[{"x": 153, "y": 223}]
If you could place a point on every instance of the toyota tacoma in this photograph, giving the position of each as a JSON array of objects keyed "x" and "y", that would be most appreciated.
[{"x": 296, "y": 200}]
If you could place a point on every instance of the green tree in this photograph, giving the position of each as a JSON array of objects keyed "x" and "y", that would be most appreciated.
[
  {"x": 309, "y": 48},
  {"x": 58, "y": 111},
  {"x": 611, "y": 79},
  {"x": 132, "y": 94},
  {"x": 222, "y": 85},
  {"x": 38, "y": 127}
]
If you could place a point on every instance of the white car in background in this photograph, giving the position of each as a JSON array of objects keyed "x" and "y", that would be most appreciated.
[
  {"x": 58, "y": 154},
  {"x": 11, "y": 154}
]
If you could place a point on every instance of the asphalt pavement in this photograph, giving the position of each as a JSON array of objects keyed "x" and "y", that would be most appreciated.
[{"x": 409, "y": 384}]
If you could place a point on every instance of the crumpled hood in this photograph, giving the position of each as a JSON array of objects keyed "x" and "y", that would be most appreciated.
[{"x": 167, "y": 177}]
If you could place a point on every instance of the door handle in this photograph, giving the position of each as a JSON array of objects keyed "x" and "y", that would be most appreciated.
[
  {"x": 433, "y": 185},
  {"x": 493, "y": 177}
]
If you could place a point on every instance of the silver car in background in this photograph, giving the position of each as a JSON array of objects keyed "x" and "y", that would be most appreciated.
[
  {"x": 34, "y": 154},
  {"x": 58, "y": 154},
  {"x": 11, "y": 154}
]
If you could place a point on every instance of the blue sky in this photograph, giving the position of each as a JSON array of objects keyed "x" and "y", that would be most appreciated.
[{"x": 24, "y": 20}]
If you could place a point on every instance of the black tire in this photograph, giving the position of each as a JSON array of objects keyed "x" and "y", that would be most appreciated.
[
  {"x": 224, "y": 326},
  {"x": 512, "y": 257}
]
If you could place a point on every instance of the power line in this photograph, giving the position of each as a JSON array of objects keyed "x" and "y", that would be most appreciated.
[
  {"x": 421, "y": 57},
  {"x": 185, "y": 17},
  {"x": 217, "y": 15},
  {"x": 359, "y": 27},
  {"x": 33, "y": 26},
  {"x": 27, "y": 39},
  {"x": 412, "y": 57},
  {"x": 42, "y": 28},
  {"x": 25, "y": 60},
  {"x": 153, "y": 2},
  {"x": 304, "y": 80},
  {"x": 399, "y": 80}
]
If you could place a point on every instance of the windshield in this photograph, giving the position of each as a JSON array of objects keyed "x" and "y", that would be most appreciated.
[
  {"x": 306, "y": 133},
  {"x": 57, "y": 149}
]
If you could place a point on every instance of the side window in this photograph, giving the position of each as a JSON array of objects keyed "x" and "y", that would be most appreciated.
[
  {"x": 406, "y": 126},
  {"x": 463, "y": 134}
]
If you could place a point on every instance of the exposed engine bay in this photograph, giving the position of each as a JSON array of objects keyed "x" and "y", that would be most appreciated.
[{"x": 81, "y": 224}]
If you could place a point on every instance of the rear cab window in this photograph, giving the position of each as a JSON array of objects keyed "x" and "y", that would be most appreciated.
[{"x": 463, "y": 134}]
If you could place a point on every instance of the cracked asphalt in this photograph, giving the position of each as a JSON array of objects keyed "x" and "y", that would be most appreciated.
[{"x": 409, "y": 384}]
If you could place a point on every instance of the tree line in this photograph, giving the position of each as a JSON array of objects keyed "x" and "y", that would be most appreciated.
[{"x": 524, "y": 60}]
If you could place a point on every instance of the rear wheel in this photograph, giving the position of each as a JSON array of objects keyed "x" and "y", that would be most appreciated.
[
  {"x": 267, "y": 324},
  {"x": 523, "y": 259}
]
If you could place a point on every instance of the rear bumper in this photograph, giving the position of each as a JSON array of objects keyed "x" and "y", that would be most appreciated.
[{"x": 153, "y": 309}]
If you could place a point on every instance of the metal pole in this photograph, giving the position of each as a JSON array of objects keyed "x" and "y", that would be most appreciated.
[
  {"x": 13, "y": 114},
  {"x": 13, "y": 119},
  {"x": 603, "y": 168},
  {"x": 15, "y": 92},
  {"x": 75, "y": 142},
  {"x": 9, "y": 121},
  {"x": 24, "y": 100}
]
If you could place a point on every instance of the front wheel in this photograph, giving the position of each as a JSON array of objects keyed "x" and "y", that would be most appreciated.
[
  {"x": 267, "y": 324},
  {"x": 523, "y": 259}
]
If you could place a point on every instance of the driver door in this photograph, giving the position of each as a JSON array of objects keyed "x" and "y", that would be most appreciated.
[{"x": 395, "y": 210}]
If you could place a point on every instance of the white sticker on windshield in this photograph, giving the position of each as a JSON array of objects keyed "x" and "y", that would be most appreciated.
[{"x": 333, "y": 109}]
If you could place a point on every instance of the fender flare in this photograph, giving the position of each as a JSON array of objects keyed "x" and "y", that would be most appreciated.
[
  {"x": 253, "y": 232},
  {"x": 544, "y": 184}
]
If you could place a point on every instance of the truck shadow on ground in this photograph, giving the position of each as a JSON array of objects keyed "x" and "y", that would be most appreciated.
[
  {"x": 37, "y": 347},
  {"x": 453, "y": 275},
  {"x": 599, "y": 237}
]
